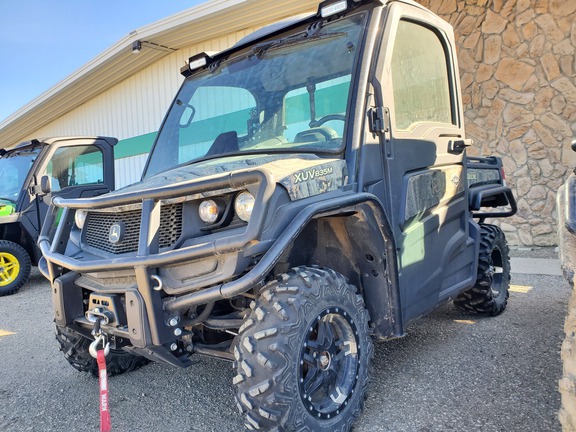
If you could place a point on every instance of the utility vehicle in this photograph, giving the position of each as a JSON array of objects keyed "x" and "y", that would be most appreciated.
[
  {"x": 308, "y": 192},
  {"x": 30, "y": 175},
  {"x": 566, "y": 206}
]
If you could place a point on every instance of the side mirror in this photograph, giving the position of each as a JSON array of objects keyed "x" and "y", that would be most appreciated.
[
  {"x": 45, "y": 185},
  {"x": 574, "y": 145}
]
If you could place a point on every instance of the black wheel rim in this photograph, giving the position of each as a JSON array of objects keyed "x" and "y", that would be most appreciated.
[
  {"x": 496, "y": 272},
  {"x": 329, "y": 362}
]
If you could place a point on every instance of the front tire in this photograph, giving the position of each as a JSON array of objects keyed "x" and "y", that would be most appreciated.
[
  {"x": 304, "y": 353},
  {"x": 15, "y": 267},
  {"x": 489, "y": 296},
  {"x": 75, "y": 348}
]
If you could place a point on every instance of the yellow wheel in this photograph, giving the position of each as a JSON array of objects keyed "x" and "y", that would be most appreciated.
[
  {"x": 9, "y": 268},
  {"x": 14, "y": 267}
]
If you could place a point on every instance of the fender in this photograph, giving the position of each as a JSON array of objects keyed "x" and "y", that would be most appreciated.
[{"x": 387, "y": 324}]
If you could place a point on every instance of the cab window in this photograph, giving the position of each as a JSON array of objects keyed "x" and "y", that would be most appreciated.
[
  {"x": 420, "y": 78},
  {"x": 75, "y": 166},
  {"x": 328, "y": 105},
  {"x": 213, "y": 109}
]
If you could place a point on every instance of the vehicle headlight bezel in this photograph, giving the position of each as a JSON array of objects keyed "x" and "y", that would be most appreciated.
[
  {"x": 209, "y": 211},
  {"x": 80, "y": 217},
  {"x": 244, "y": 205}
]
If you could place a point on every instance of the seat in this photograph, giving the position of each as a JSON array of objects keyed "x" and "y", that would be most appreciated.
[
  {"x": 317, "y": 134},
  {"x": 226, "y": 142}
]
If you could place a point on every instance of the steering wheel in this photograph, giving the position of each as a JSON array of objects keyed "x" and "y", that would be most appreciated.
[{"x": 327, "y": 118}]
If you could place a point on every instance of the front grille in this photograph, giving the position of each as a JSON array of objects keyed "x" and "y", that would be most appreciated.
[{"x": 98, "y": 224}]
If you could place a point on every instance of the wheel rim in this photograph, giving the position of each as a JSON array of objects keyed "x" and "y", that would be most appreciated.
[
  {"x": 329, "y": 363},
  {"x": 9, "y": 268},
  {"x": 496, "y": 272}
]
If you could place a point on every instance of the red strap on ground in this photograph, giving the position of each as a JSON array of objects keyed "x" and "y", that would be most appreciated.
[{"x": 105, "y": 423}]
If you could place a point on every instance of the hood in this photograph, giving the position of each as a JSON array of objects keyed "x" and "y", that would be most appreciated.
[{"x": 303, "y": 175}]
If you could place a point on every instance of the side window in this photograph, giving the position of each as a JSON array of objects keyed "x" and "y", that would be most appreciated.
[
  {"x": 206, "y": 114},
  {"x": 420, "y": 77},
  {"x": 74, "y": 166}
]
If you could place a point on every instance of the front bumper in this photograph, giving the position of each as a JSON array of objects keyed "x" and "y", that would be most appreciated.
[
  {"x": 136, "y": 279},
  {"x": 53, "y": 245},
  {"x": 150, "y": 309}
]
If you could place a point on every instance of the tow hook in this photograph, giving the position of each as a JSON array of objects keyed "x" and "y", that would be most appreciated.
[
  {"x": 94, "y": 346},
  {"x": 99, "y": 337}
]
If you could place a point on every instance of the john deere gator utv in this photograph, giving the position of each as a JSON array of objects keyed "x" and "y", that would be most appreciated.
[{"x": 308, "y": 192}]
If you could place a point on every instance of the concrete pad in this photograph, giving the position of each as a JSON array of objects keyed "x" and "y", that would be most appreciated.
[{"x": 538, "y": 266}]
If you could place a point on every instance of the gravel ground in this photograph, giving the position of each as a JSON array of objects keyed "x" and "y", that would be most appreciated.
[{"x": 452, "y": 372}]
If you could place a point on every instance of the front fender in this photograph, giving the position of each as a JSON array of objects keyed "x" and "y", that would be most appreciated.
[{"x": 387, "y": 325}]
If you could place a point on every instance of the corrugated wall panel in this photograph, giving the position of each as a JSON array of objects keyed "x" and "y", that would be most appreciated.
[{"x": 129, "y": 170}]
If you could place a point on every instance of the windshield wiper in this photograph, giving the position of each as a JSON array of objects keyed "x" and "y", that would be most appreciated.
[{"x": 260, "y": 49}]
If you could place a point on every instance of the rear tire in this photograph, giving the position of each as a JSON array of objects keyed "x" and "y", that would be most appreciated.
[
  {"x": 15, "y": 267},
  {"x": 303, "y": 354},
  {"x": 75, "y": 348},
  {"x": 489, "y": 296}
]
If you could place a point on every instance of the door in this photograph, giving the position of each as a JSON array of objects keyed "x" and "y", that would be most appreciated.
[
  {"x": 75, "y": 171},
  {"x": 426, "y": 182}
]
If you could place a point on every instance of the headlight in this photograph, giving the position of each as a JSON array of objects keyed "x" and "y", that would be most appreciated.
[
  {"x": 80, "y": 218},
  {"x": 244, "y": 205},
  {"x": 209, "y": 211}
]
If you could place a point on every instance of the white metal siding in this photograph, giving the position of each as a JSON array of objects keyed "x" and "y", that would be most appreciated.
[{"x": 129, "y": 169}]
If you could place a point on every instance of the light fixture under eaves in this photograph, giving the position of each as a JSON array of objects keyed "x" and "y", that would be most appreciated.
[{"x": 137, "y": 46}]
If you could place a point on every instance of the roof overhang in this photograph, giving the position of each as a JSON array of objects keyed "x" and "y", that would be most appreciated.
[{"x": 203, "y": 22}]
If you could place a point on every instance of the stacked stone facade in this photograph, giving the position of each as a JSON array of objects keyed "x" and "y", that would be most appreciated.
[{"x": 518, "y": 75}]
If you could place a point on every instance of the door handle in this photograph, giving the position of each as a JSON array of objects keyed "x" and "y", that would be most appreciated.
[{"x": 458, "y": 146}]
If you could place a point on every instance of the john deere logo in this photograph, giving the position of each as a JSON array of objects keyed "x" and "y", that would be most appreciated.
[{"x": 116, "y": 233}]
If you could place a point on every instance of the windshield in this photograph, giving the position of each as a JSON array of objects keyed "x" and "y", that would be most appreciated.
[
  {"x": 14, "y": 167},
  {"x": 284, "y": 95}
]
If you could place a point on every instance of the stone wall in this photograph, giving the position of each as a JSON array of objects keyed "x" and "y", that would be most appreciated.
[{"x": 517, "y": 67}]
